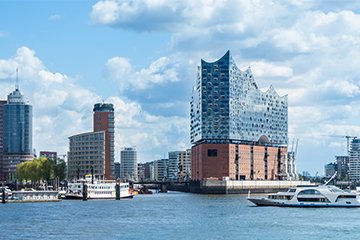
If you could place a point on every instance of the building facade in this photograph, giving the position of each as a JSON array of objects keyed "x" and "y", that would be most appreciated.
[
  {"x": 237, "y": 130},
  {"x": 128, "y": 163},
  {"x": 104, "y": 120},
  {"x": 184, "y": 168},
  {"x": 87, "y": 154},
  {"x": 160, "y": 170},
  {"x": 342, "y": 166},
  {"x": 2, "y": 174},
  {"x": 354, "y": 160},
  {"x": 330, "y": 169},
  {"x": 173, "y": 165},
  {"x": 49, "y": 155},
  {"x": 17, "y": 143},
  {"x": 117, "y": 170},
  {"x": 94, "y": 150}
]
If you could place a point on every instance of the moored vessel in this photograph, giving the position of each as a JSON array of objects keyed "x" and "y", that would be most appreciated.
[
  {"x": 309, "y": 196},
  {"x": 99, "y": 189}
]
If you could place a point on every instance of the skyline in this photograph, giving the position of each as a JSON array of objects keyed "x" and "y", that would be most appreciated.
[{"x": 142, "y": 57}]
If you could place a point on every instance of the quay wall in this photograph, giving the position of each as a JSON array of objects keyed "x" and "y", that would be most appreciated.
[{"x": 242, "y": 187}]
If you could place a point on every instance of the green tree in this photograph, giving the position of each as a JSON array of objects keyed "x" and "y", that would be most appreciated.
[
  {"x": 41, "y": 169},
  {"x": 60, "y": 169}
]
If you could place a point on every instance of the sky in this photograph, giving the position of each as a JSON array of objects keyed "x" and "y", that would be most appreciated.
[{"x": 142, "y": 57}]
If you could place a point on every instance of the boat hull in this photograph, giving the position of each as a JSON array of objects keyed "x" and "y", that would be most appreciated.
[{"x": 269, "y": 202}]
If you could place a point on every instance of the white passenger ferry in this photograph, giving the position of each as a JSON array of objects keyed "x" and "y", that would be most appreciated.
[{"x": 100, "y": 189}]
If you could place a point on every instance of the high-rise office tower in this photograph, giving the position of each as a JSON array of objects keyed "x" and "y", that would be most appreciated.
[
  {"x": 94, "y": 151},
  {"x": 237, "y": 130},
  {"x": 354, "y": 160},
  {"x": 128, "y": 163},
  {"x": 104, "y": 120},
  {"x": 16, "y": 133}
]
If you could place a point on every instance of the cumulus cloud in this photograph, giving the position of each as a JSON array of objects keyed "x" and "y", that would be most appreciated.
[{"x": 160, "y": 71}]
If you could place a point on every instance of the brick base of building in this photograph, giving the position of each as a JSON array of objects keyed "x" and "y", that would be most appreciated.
[{"x": 237, "y": 161}]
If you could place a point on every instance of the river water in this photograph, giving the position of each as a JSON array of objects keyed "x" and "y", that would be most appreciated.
[{"x": 174, "y": 215}]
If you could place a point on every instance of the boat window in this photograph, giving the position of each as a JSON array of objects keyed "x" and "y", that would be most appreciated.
[
  {"x": 309, "y": 192},
  {"x": 280, "y": 197},
  {"x": 292, "y": 190},
  {"x": 322, "y": 199},
  {"x": 342, "y": 197},
  {"x": 335, "y": 190}
]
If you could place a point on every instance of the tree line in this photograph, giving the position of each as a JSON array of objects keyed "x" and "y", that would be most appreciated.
[{"x": 41, "y": 169}]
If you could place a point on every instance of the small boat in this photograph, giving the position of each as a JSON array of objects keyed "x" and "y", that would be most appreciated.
[
  {"x": 7, "y": 191},
  {"x": 100, "y": 189},
  {"x": 309, "y": 196}
]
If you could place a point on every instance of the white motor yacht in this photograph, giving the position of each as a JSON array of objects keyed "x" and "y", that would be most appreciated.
[{"x": 309, "y": 196}]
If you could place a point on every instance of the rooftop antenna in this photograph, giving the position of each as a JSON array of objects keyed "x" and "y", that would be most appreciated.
[{"x": 17, "y": 79}]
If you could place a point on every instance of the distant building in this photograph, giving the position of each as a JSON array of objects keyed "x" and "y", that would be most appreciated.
[
  {"x": 117, "y": 170},
  {"x": 173, "y": 165},
  {"x": 104, "y": 120},
  {"x": 94, "y": 150},
  {"x": 354, "y": 160},
  {"x": 237, "y": 130},
  {"x": 146, "y": 168},
  {"x": 128, "y": 161},
  {"x": 330, "y": 169},
  {"x": 16, "y": 130},
  {"x": 87, "y": 151},
  {"x": 342, "y": 166},
  {"x": 141, "y": 168},
  {"x": 2, "y": 174},
  {"x": 184, "y": 167},
  {"x": 160, "y": 169},
  {"x": 49, "y": 155}
]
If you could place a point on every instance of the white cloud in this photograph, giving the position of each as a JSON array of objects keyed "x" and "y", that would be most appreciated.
[
  {"x": 160, "y": 71},
  {"x": 55, "y": 17},
  {"x": 265, "y": 69}
]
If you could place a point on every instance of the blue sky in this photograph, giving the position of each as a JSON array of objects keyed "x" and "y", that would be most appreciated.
[{"x": 142, "y": 56}]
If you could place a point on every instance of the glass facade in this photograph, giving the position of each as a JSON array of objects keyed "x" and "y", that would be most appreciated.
[
  {"x": 227, "y": 104},
  {"x": 128, "y": 163},
  {"x": 17, "y": 122}
]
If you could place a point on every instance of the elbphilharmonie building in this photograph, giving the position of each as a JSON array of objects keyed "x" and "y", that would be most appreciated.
[{"x": 230, "y": 116}]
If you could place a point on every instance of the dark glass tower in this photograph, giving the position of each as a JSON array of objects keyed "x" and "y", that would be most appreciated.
[
  {"x": 17, "y": 132},
  {"x": 17, "y": 125}
]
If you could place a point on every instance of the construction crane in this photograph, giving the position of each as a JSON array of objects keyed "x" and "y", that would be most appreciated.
[{"x": 347, "y": 138}]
